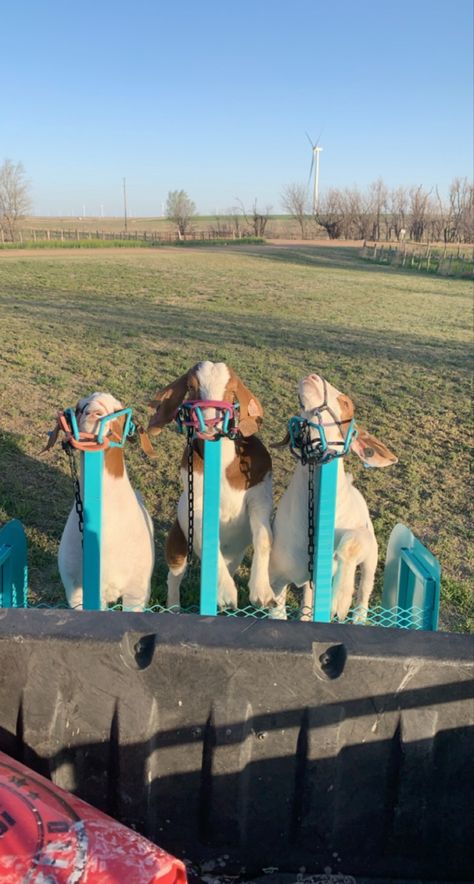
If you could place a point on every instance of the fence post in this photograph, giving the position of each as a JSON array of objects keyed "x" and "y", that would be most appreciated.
[
  {"x": 325, "y": 490},
  {"x": 210, "y": 527}
]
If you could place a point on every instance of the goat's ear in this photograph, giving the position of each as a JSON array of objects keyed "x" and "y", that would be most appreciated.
[
  {"x": 346, "y": 406},
  {"x": 116, "y": 427},
  {"x": 251, "y": 411},
  {"x": 53, "y": 438},
  {"x": 165, "y": 403},
  {"x": 284, "y": 442},
  {"x": 371, "y": 450}
]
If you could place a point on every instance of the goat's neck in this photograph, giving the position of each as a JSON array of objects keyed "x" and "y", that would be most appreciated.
[
  {"x": 343, "y": 484},
  {"x": 115, "y": 476}
]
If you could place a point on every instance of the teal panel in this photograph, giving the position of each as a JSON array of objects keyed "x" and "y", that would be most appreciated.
[
  {"x": 210, "y": 526},
  {"x": 324, "y": 519},
  {"x": 412, "y": 578},
  {"x": 92, "y": 471},
  {"x": 13, "y": 566}
]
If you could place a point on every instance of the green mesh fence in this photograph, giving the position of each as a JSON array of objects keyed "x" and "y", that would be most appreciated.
[{"x": 396, "y": 617}]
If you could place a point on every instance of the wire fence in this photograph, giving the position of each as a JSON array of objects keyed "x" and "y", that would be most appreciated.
[
  {"x": 425, "y": 258},
  {"x": 147, "y": 237},
  {"x": 376, "y": 615}
]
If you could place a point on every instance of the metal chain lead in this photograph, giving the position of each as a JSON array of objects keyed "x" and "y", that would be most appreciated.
[
  {"x": 77, "y": 487},
  {"x": 189, "y": 556}
]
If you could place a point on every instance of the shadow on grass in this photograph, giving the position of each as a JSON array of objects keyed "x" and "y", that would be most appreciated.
[
  {"x": 39, "y": 495},
  {"x": 337, "y": 257},
  {"x": 205, "y": 324}
]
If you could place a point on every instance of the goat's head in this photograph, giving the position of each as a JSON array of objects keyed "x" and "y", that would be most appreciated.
[
  {"x": 206, "y": 381},
  {"x": 91, "y": 409},
  {"x": 322, "y": 403}
]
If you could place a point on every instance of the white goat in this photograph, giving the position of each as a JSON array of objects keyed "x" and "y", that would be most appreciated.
[
  {"x": 354, "y": 542},
  {"x": 127, "y": 554},
  {"x": 246, "y": 484}
]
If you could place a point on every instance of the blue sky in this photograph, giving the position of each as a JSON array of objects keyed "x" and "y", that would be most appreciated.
[{"x": 215, "y": 98}]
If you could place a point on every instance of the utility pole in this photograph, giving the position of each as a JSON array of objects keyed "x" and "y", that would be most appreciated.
[
  {"x": 125, "y": 201},
  {"x": 316, "y": 151}
]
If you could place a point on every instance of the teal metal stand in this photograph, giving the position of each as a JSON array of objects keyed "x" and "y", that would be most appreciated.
[
  {"x": 412, "y": 581},
  {"x": 13, "y": 567},
  {"x": 92, "y": 471},
  {"x": 210, "y": 526},
  {"x": 325, "y": 490}
]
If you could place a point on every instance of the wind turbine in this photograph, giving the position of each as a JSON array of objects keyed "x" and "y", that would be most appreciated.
[{"x": 316, "y": 150}]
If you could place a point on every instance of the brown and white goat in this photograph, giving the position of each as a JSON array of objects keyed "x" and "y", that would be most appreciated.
[
  {"x": 246, "y": 485},
  {"x": 127, "y": 553},
  {"x": 354, "y": 542}
]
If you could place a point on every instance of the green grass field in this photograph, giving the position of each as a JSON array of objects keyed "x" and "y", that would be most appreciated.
[{"x": 130, "y": 321}]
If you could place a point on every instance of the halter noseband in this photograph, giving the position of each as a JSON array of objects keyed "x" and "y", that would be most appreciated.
[
  {"x": 317, "y": 450},
  {"x": 225, "y": 422}
]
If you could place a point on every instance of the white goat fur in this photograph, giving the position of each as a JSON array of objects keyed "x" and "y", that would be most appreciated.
[
  {"x": 354, "y": 541},
  {"x": 127, "y": 530}
]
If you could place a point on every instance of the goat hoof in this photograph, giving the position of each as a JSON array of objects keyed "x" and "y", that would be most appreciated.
[
  {"x": 228, "y": 598},
  {"x": 263, "y": 597}
]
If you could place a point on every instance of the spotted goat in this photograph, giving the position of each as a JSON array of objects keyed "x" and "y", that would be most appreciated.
[{"x": 246, "y": 483}]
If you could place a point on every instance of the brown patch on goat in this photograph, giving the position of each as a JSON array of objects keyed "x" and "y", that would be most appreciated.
[
  {"x": 113, "y": 457},
  {"x": 176, "y": 547},
  {"x": 198, "y": 457},
  {"x": 250, "y": 465}
]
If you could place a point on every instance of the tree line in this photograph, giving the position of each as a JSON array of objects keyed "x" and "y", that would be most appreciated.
[
  {"x": 378, "y": 213},
  {"x": 381, "y": 213}
]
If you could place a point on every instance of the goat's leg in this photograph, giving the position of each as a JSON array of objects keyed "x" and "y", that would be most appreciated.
[
  {"x": 280, "y": 586},
  {"x": 259, "y": 507},
  {"x": 351, "y": 550},
  {"x": 226, "y": 588},
  {"x": 175, "y": 552},
  {"x": 136, "y": 599},
  {"x": 75, "y": 598},
  {"x": 307, "y": 602},
  {"x": 366, "y": 584}
]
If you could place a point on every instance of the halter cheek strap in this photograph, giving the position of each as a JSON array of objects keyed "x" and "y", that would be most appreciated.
[{"x": 309, "y": 450}]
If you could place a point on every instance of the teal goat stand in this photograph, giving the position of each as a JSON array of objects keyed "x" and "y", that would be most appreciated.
[{"x": 13, "y": 566}]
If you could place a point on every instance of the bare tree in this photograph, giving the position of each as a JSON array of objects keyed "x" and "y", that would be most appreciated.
[
  {"x": 461, "y": 210},
  {"x": 180, "y": 209},
  {"x": 294, "y": 199},
  {"x": 257, "y": 220},
  {"x": 235, "y": 216},
  {"x": 331, "y": 213},
  {"x": 397, "y": 208},
  {"x": 376, "y": 206},
  {"x": 15, "y": 200},
  {"x": 419, "y": 210}
]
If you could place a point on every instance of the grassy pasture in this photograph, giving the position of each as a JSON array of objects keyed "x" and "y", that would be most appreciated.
[{"x": 132, "y": 320}]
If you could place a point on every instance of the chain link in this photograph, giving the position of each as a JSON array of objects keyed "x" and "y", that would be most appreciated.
[
  {"x": 189, "y": 556},
  {"x": 76, "y": 485}
]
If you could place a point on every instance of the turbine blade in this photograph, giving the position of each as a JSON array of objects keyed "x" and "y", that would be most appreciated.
[
  {"x": 309, "y": 139},
  {"x": 310, "y": 170}
]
